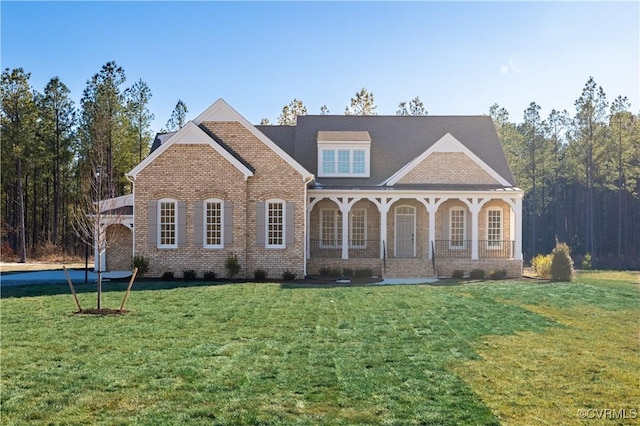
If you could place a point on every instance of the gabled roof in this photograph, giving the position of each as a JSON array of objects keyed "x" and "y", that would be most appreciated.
[
  {"x": 222, "y": 111},
  {"x": 395, "y": 142},
  {"x": 190, "y": 133}
]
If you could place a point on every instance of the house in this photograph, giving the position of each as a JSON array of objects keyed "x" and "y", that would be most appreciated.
[{"x": 397, "y": 194}]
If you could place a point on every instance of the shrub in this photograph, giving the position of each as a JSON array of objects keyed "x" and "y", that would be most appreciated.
[
  {"x": 364, "y": 273},
  {"x": 168, "y": 275},
  {"x": 457, "y": 274},
  {"x": 140, "y": 262},
  {"x": 325, "y": 271},
  {"x": 498, "y": 274},
  {"x": 542, "y": 265},
  {"x": 477, "y": 274},
  {"x": 561, "y": 263},
  {"x": 210, "y": 275},
  {"x": 347, "y": 272},
  {"x": 260, "y": 275},
  {"x": 586, "y": 262},
  {"x": 189, "y": 274},
  {"x": 288, "y": 276},
  {"x": 232, "y": 265}
]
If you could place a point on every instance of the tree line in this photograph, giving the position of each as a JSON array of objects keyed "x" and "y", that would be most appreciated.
[
  {"x": 580, "y": 172},
  {"x": 581, "y": 177},
  {"x": 47, "y": 146}
]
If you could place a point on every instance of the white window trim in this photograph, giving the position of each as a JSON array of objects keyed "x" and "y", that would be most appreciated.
[
  {"x": 175, "y": 223},
  {"x": 338, "y": 242},
  {"x": 497, "y": 244},
  {"x": 359, "y": 246},
  {"x": 464, "y": 228},
  {"x": 284, "y": 223},
  {"x": 204, "y": 223},
  {"x": 349, "y": 146}
]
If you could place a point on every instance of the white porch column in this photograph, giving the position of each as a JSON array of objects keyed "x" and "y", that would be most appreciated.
[
  {"x": 518, "y": 236},
  {"x": 432, "y": 209},
  {"x": 383, "y": 204},
  {"x": 475, "y": 210},
  {"x": 344, "y": 209}
]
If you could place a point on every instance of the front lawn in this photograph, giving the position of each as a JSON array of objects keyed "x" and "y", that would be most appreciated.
[{"x": 474, "y": 353}]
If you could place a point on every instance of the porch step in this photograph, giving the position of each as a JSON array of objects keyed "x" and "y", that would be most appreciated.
[{"x": 408, "y": 267}]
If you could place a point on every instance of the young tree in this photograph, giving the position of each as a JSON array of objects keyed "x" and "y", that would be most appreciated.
[
  {"x": 362, "y": 104},
  {"x": 138, "y": 97},
  {"x": 324, "y": 110},
  {"x": 18, "y": 133},
  {"x": 57, "y": 121},
  {"x": 265, "y": 122},
  {"x": 178, "y": 116},
  {"x": 290, "y": 113}
]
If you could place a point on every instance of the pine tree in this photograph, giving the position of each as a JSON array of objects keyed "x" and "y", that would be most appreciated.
[{"x": 361, "y": 104}]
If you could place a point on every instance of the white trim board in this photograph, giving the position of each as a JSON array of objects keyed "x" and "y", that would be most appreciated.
[{"x": 447, "y": 143}]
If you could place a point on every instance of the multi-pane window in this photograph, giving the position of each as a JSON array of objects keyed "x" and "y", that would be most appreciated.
[
  {"x": 328, "y": 161},
  {"x": 359, "y": 166},
  {"x": 275, "y": 224},
  {"x": 331, "y": 228},
  {"x": 457, "y": 228},
  {"x": 494, "y": 228},
  {"x": 167, "y": 223},
  {"x": 358, "y": 228},
  {"x": 213, "y": 223},
  {"x": 344, "y": 162}
]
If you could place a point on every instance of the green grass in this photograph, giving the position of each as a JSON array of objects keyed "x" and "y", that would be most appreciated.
[{"x": 271, "y": 354}]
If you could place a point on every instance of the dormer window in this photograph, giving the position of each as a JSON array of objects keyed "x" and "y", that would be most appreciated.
[{"x": 343, "y": 154}]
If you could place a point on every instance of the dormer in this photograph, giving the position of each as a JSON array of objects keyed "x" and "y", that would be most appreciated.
[{"x": 344, "y": 154}]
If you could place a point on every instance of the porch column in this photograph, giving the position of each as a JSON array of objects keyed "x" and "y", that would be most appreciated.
[
  {"x": 518, "y": 236},
  {"x": 344, "y": 209},
  {"x": 432, "y": 209},
  {"x": 383, "y": 204},
  {"x": 475, "y": 210}
]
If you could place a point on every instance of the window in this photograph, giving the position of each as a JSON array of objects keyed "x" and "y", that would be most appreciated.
[
  {"x": 344, "y": 162},
  {"x": 213, "y": 220},
  {"x": 494, "y": 228},
  {"x": 330, "y": 228},
  {"x": 167, "y": 220},
  {"x": 275, "y": 224},
  {"x": 456, "y": 228},
  {"x": 328, "y": 162},
  {"x": 358, "y": 229}
]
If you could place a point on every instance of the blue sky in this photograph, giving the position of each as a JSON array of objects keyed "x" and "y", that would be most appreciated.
[{"x": 458, "y": 57}]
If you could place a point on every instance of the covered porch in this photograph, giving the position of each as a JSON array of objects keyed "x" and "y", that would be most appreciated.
[{"x": 414, "y": 233}]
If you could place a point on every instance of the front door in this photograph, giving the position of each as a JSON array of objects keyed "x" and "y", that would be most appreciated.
[{"x": 405, "y": 231}]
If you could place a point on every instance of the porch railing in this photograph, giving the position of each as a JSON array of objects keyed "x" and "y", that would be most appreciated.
[
  {"x": 496, "y": 249},
  {"x": 332, "y": 249},
  {"x": 487, "y": 249}
]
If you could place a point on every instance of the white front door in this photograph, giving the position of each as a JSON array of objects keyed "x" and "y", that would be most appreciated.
[{"x": 405, "y": 231}]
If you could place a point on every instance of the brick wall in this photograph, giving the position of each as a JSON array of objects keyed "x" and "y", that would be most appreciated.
[
  {"x": 119, "y": 251},
  {"x": 447, "y": 167},
  {"x": 191, "y": 173},
  {"x": 445, "y": 267}
]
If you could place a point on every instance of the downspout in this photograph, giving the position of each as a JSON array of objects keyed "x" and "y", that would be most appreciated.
[
  {"x": 133, "y": 231},
  {"x": 306, "y": 231}
]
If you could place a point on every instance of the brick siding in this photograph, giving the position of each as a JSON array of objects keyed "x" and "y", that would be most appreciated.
[{"x": 447, "y": 167}]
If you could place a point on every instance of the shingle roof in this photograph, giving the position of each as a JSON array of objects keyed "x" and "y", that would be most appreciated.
[
  {"x": 159, "y": 140},
  {"x": 395, "y": 141}
]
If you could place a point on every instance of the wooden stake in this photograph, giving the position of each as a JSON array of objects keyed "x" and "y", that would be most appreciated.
[
  {"x": 126, "y": 295},
  {"x": 73, "y": 290}
]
